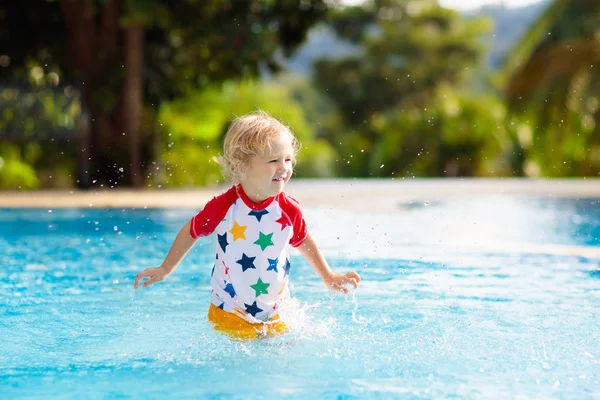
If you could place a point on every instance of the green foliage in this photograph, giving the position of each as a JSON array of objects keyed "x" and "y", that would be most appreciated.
[
  {"x": 389, "y": 94},
  {"x": 531, "y": 39},
  {"x": 198, "y": 44},
  {"x": 15, "y": 172},
  {"x": 457, "y": 135},
  {"x": 412, "y": 48},
  {"x": 396, "y": 107},
  {"x": 188, "y": 45},
  {"x": 193, "y": 128},
  {"x": 552, "y": 81},
  {"x": 316, "y": 159},
  {"x": 187, "y": 163},
  {"x": 38, "y": 107},
  {"x": 319, "y": 109}
]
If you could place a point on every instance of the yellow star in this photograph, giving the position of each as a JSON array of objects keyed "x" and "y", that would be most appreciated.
[{"x": 238, "y": 231}]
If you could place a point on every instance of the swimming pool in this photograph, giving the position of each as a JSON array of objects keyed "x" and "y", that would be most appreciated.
[{"x": 479, "y": 297}]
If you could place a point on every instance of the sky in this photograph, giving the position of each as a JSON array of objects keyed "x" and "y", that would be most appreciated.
[{"x": 463, "y": 5}]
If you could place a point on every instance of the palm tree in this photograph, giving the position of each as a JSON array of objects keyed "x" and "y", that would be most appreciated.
[{"x": 552, "y": 79}]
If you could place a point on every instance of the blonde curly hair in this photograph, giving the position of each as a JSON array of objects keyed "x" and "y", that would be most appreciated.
[{"x": 248, "y": 136}]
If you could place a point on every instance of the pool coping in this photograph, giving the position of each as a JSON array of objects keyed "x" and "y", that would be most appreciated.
[{"x": 375, "y": 195}]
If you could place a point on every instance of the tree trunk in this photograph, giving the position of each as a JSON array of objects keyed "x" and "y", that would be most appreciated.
[
  {"x": 110, "y": 147},
  {"x": 132, "y": 98}
]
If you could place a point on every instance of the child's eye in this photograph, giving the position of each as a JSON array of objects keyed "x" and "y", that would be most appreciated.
[{"x": 273, "y": 161}]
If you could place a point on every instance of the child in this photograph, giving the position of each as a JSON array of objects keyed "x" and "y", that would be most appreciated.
[{"x": 254, "y": 222}]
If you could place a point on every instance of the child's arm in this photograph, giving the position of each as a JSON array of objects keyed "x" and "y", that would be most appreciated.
[
  {"x": 182, "y": 244},
  {"x": 310, "y": 250}
]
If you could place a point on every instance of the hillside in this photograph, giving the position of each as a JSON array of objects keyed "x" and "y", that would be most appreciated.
[{"x": 510, "y": 24}]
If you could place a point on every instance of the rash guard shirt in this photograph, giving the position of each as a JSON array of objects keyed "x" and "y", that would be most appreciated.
[{"x": 251, "y": 272}]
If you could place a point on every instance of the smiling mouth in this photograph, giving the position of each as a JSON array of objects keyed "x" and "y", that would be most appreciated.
[{"x": 278, "y": 179}]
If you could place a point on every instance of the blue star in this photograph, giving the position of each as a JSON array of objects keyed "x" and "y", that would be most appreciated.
[
  {"x": 273, "y": 264},
  {"x": 213, "y": 271},
  {"x": 229, "y": 289},
  {"x": 223, "y": 241},
  {"x": 252, "y": 309},
  {"x": 258, "y": 213},
  {"x": 221, "y": 306},
  {"x": 246, "y": 262},
  {"x": 286, "y": 267}
]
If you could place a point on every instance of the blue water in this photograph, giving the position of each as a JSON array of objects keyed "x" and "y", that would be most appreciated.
[{"x": 447, "y": 308}]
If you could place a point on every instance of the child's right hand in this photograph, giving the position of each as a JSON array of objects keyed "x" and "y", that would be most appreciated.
[{"x": 154, "y": 275}]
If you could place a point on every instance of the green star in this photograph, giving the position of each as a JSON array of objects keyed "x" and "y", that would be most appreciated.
[
  {"x": 264, "y": 241},
  {"x": 260, "y": 287}
]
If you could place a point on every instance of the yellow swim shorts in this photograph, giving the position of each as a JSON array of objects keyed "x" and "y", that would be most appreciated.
[{"x": 239, "y": 328}]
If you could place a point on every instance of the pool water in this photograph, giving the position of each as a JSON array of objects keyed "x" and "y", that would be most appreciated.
[{"x": 447, "y": 307}]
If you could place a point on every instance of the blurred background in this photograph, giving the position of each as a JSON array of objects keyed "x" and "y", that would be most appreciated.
[{"x": 138, "y": 93}]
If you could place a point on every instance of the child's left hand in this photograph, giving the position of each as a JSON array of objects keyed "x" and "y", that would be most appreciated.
[{"x": 336, "y": 281}]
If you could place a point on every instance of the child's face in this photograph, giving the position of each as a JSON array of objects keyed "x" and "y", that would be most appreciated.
[{"x": 268, "y": 173}]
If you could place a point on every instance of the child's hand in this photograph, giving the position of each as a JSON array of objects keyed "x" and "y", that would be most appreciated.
[
  {"x": 336, "y": 281},
  {"x": 155, "y": 275}
]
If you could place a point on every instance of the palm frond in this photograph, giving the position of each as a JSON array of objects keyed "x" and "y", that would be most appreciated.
[
  {"x": 532, "y": 38},
  {"x": 563, "y": 59}
]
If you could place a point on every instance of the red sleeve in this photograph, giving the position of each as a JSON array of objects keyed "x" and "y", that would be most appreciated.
[
  {"x": 291, "y": 209},
  {"x": 205, "y": 222}
]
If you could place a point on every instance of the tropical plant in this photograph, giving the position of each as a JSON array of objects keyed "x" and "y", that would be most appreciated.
[
  {"x": 127, "y": 56},
  {"x": 458, "y": 135},
  {"x": 408, "y": 51},
  {"x": 552, "y": 80},
  {"x": 193, "y": 128}
]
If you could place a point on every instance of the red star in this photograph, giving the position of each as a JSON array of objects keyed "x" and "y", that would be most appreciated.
[
  {"x": 226, "y": 268},
  {"x": 275, "y": 306},
  {"x": 284, "y": 222}
]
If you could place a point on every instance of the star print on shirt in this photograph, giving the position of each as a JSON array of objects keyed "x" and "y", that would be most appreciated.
[
  {"x": 264, "y": 241},
  {"x": 260, "y": 287},
  {"x": 273, "y": 264},
  {"x": 238, "y": 231},
  {"x": 258, "y": 213},
  {"x": 282, "y": 289},
  {"x": 246, "y": 262},
  {"x": 286, "y": 267},
  {"x": 284, "y": 221},
  {"x": 223, "y": 241},
  {"x": 229, "y": 289},
  {"x": 252, "y": 309}
]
